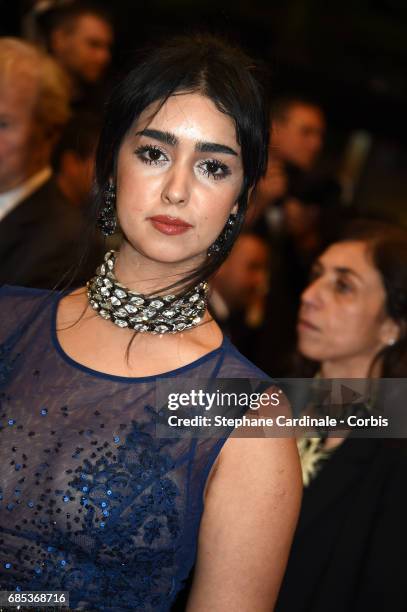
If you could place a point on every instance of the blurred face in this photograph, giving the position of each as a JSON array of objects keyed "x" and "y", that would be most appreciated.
[
  {"x": 84, "y": 51},
  {"x": 244, "y": 275},
  {"x": 179, "y": 174},
  {"x": 300, "y": 219},
  {"x": 84, "y": 177},
  {"x": 342, "y": 314},
  {"x": 298, "y": 138},
  {"x": 271, "y": 187},
  {"x": 20, "y": 136},
  {"x": 75, "y": 177}
]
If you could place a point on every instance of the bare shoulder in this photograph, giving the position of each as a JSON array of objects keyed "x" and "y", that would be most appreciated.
[
  {"x": 251, "y": 509},
  {"x": 260, "y": 462},
  {"x": 265, "y": 456}
]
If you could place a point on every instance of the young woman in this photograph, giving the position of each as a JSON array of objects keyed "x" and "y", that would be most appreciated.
[
  {"x": 92, "y": 502},
  {"x": 349, "y": 549}
]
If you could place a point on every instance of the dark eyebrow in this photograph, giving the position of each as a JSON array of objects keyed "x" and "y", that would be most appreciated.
[
  {"x": 172, "y": 140},
  {"x": 349, "y": 271},
  {"x": 165, "y": 137},
  {"x": 214, "y": 147},
  {"x": 318, "y": 265}
]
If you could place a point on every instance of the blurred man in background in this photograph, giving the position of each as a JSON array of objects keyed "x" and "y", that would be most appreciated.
[
  {"x": 297, "y": 138},
  {"x": 79, "y": 35},
  {"x": 239, "y": 289},
  {"x": 39, "y": 230},
  {"x": 74, "y": 158},
  {"x": 298, "y": 128},
  {"x": 292, "y": 207},
  {"x": 311, "y": 218}
]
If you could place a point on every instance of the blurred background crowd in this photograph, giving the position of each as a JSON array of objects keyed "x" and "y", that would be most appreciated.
[
  {"x": 303, "y": 281},
  {"x": 337, "y": 143}
]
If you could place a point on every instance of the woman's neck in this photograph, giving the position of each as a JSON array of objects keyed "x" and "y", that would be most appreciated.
[
  {"x": 351, "y": 367},
  {"x": 144, "y": 275}
]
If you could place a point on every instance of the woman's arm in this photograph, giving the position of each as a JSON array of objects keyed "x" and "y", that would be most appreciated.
[{"x": 251, "y": 509}]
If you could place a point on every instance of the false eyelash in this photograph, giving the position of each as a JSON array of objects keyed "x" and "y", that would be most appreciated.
[
  {"x": 219, "y": 164},
  {"x": 148, "y": 148}
]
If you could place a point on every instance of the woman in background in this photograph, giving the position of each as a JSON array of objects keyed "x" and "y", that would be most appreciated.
[
  {"x": 92, "y": 501},
  {"x": 348, "y": 553}
]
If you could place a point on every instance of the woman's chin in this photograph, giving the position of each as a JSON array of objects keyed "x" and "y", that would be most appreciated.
[
  {"x": 311, "y": 352},
  {"x": 169, "y": 256},
  {"x": 185, "y": 261}
]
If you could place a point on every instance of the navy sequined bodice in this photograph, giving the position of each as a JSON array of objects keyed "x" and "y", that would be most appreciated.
[{"x": 91, "y": 502}]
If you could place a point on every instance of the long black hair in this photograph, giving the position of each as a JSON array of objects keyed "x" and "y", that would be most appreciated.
[{"x": 211, "y": 67}]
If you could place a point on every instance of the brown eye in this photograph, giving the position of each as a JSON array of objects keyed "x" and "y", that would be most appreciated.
[
  {"x": 214, "y": 169},
  {"x": 152, "y": 155},
  {"x": 342, "y": 286}
]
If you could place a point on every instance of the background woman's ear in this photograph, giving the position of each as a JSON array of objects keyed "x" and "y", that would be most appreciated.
[{"x": 391, "y": 332}]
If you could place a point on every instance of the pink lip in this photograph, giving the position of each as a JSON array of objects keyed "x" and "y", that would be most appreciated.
[
  {"x": 304, "y": 324},
  {"x": 169, "y": 225}
]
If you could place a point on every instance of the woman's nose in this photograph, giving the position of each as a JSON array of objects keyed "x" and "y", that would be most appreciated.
[
  {"x": 176, "y": 189},
  {"x": 312, "y": 294}
]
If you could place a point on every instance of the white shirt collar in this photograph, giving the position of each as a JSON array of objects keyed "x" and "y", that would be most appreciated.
[{"x": 11, "y": 199}]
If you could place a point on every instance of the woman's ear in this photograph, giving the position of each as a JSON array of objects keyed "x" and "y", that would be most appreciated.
[
  {"x": 234, "y": 209},
  {"x": 390, "y": 332}
]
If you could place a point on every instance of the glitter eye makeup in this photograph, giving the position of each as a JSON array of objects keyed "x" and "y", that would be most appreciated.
[
  {"x": 151, "y": 154},
  {"x": 214, "y": 169}
]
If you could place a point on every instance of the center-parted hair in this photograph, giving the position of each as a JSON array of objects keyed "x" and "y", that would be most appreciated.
[{"x": 202, "y": 64}]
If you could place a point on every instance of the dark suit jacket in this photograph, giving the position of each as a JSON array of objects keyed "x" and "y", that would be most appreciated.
[
  {"x": 42, "y": 240},
  {"x": 349, "y": 551}
]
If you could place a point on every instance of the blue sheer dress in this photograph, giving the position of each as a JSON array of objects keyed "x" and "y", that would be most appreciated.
[{"x": 91, "y": 502}]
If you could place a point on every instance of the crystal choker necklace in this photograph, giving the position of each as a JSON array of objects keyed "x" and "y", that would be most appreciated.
[{"x": 159, "y": 314}]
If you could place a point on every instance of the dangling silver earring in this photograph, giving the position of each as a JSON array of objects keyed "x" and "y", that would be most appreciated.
[
  {"x": 106, "y": 220},
  {"x": 391, "y": 341},
  {"x": 223, "y": 236}
]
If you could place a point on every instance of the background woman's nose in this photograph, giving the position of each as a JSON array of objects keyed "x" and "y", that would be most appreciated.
[{"x": 312, "y": 293}]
